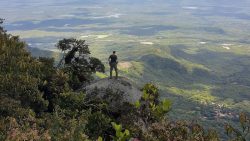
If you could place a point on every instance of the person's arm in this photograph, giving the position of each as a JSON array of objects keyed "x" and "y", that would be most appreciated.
[{"x": 109, "y": 58}]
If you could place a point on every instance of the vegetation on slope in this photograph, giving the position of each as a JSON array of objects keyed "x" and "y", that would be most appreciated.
[{"x": 40, "y": 102}]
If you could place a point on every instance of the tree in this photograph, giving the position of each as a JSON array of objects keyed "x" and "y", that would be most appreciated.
[
  {"x": 1, "y": 28},
  {"x": 77, "y": 61}
]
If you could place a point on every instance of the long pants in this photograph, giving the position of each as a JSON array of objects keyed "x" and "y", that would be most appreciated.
[{"x": 113, "y": 66}]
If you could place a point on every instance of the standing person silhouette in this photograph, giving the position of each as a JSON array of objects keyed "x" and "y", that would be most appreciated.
[{"x": 113, "y": 64}]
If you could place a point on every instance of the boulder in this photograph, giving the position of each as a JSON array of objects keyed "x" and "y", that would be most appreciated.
[{"x": 121, "y": 87}]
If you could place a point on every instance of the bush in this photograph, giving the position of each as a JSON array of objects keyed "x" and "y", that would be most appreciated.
[
  {"x": 149, "y": 108},
  {"x": 98, "y": 125},
  {"x": 178, "y": 131}
]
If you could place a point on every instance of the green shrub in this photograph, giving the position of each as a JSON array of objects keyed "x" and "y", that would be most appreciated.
[
  {"x": 237, "y": 135},
  {"x": 98, "y": 125},
  {"x": 149, "y": 108},
  {"x": 120, "y": 134}
]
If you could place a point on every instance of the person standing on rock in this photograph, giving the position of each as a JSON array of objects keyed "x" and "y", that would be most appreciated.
[{"x": 113, "y": 64}]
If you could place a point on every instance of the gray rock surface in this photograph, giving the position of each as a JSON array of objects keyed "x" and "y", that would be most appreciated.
[{"x": 129, "y": 91}]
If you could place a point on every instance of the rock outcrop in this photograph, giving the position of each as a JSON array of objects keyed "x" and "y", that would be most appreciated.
[
  {"x": 116, "y": 93},
  {"x": 125, "y": 88}
]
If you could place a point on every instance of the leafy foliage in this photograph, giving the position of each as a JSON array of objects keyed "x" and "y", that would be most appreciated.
[
  {"x": 53, "y": 87},
  {"x": 149, "y": 108},
  {"x": 119, "y": 134},
  {"x": 98, "y": 125},
  {"x": 179, "y": 131},
  {"x": 20, "y": 73},
  {"x": 78, "y": 64},
  {"x": 237, "y": 135}
]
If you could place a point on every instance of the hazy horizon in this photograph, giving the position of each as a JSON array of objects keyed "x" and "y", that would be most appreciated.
[{"x": 74, "y": 18}]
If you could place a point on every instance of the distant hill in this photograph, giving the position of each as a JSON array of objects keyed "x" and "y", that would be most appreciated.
[{"x": 36, "y": 52}]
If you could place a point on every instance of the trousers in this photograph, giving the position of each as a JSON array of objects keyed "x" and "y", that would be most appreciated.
[{"x": 113, "y": 66}]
